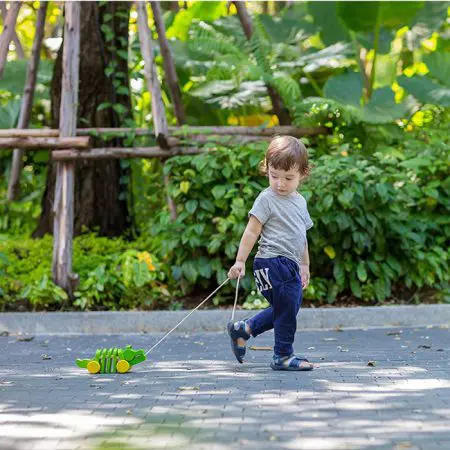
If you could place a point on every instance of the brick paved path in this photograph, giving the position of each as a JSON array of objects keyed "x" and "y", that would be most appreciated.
[{"x": 194, "y": 395}]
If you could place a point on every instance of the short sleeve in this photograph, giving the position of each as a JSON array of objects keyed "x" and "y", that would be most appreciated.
[
  {"x": 260, "y": 209},
  {"x": 308, "y": 222}
]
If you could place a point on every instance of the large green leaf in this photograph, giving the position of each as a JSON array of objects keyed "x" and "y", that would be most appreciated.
[
  {"x": 386, "y": 70},
  {"x": 285, "y": 29},
  {"x": 213, "y": 88},
  {"x": 358, "y": 16},
  {"x": 426, "y": 90},
  {"x": 438, "y": 64},
  {"x": 141, "y": 274},
  {"x": 189, "y": 271},
  {"x": 367, "y": 39},
  {"x": 208, "y": 11},
  {"x": 427, "y": 20},
  {"x": 9, "y": 114},
  {"x": 219, "y": 92},
  {"x": 361, "y": 272},
  {"x": 14, "y": 75},
  {"x": 325, "y": 16},
  {"x": 332, "y": 57},
  {"x": 363, "y": 16},
  {"x": 346, "y": 88},
  {"x": 382, "y": 107},
  {"x": 230, "y": 26}
]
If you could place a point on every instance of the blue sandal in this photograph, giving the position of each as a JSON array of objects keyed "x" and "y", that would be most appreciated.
[
  {"x": 292, "y": 363},
  {"x": 237, "y": 331}
]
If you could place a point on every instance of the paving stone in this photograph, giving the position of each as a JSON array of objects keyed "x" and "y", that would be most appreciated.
[{"x": 195, "y": 396}]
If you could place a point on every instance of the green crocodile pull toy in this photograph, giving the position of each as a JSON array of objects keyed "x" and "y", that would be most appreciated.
[{"x": 112, "y": 360}]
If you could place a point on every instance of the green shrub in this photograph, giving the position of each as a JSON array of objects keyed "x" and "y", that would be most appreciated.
[
  {"x": 20, "y": 217},
  {"x": 212, "y": 191},
  {"x": 381, "y": 221},
  {"x": 381, "y": 231},
  {"x": 113, "y": 273}
]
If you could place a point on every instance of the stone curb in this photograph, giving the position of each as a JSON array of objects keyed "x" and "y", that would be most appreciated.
[{"x": 215, "y": 320}]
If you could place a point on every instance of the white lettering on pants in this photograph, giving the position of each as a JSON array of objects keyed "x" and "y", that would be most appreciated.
[{"x": 262, "y": 279}]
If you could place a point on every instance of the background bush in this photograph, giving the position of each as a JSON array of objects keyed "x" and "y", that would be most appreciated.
[{"x": 381, "y": 231}]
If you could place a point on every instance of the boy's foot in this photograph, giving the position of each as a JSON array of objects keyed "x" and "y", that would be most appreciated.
[
  {"x": 239, "y": 333},
  {"x": 292, "y": 362}
]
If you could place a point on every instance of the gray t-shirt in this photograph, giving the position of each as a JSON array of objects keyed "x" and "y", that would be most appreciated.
[{"x": 285, "y": 220}]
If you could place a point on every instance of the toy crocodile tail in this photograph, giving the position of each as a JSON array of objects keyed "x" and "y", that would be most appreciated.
[{"x": 82, "y": 363}]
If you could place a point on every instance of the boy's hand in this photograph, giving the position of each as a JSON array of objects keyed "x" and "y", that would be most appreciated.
[
  {"x": 238, "y": 270},
  {"x": 304, "y": 274}
]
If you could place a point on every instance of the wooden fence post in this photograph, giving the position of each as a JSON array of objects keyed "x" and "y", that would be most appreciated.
[
  {"x": 169, "y": 65},
  {"x": 27, "y": 100},
  {"x": 65, "y": 171},
  {"x": 15, "y": 38},
  {"x": 158, "y": 110}
]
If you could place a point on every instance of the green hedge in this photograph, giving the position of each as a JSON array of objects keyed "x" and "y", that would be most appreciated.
[
  {"x": 114, "y": 274},
  {"x": 381, "y": 221},
  {"x": 381, "y": 232}
]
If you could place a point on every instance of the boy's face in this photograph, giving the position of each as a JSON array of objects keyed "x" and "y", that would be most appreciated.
[{"x": 284, "y": 182}]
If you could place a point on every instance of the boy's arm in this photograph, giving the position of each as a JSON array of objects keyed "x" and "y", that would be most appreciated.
[
  {"x": 304, "y": 267},
  {"x": 248, "y": 240}
]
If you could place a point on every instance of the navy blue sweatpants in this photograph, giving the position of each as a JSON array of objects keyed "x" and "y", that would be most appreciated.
[{"x": 278, "y": 279}]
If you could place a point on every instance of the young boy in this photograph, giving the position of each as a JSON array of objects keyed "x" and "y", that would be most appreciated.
[{"x": 281, "y": 266}]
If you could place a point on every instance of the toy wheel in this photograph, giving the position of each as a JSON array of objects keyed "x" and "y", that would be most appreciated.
[
  {"x": 93, "y": 367},
  {"x": 123, "y": 366}
]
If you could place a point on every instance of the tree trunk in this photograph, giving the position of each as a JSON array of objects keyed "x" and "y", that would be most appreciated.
[
  {"x": 8, "y": 32},
  {"x": 99, "y": 200}
]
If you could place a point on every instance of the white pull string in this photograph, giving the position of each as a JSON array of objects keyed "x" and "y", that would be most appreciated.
[
  {"x": 179, "y": 323},
  {"x": 235, "y": 298}
]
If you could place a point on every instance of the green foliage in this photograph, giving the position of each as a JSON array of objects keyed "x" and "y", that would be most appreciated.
[
  {"x": 380, "y": 219},
  {"x": 21, "y": 216},
  {"x": 325, "y": 17},
  {"x": 427, "y": 20},
  {"x": 207, "y": 11},
  {"x": 204, "y": 238},
  {"x": 378, "y": 194},
  {"x": 14, "y": 74},
  {"x": 363, "y": 15},
  {"x": 346, "y": 89},
  {"x": 433, "y": 88},
  {"x": 255, "y": 300},
  {"x": 113, "y": 274},
  {"x": 43, "y": 293}
]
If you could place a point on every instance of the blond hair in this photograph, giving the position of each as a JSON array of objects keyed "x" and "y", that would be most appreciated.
[{"x": 286, "y": 152}]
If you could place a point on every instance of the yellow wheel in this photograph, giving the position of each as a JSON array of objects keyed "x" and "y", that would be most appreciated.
[
  {"x": 93, "y": 367},
  {"x": 123, "y": 366}
]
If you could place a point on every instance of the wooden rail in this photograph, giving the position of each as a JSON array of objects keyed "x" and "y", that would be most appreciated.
[
  {"x": 118, "y": 153},
  {"x": 175, "y": 131},
  {"x": 38, "y": 143}
]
